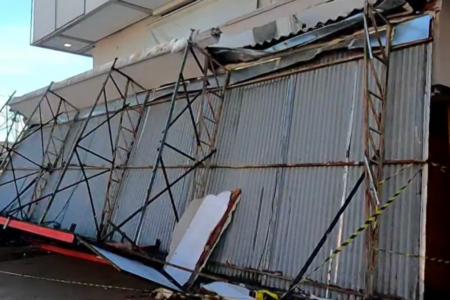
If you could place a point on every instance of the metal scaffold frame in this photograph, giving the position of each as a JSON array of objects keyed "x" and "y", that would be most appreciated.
[
  {"x": 11, "y": 124},
  {"x": 55, "y": 157},
  {"x": 51, "y": 153},
  {"x": 376, "y": 53},
  {"x": 211, "y": 101},
  {"x": 114, "y": 147},
  {"x": 49, "y": 159}
]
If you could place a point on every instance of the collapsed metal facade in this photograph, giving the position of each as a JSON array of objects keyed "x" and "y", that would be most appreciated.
[
  {"x": 295, "y": 173},
  {"x": 294, "y": 144}
]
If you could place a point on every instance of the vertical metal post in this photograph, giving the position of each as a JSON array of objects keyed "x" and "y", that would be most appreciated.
[
  {"x": 116, "y": 173},
  {"x": 376, "y": 71},
  {"x": 162, "y": 142},
  {"x": 199, "y": 183},
  {"x": 75, "y": 145}
]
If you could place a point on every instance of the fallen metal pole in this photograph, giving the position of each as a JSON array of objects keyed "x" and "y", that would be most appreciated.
[{"x": 322, "y": 241}]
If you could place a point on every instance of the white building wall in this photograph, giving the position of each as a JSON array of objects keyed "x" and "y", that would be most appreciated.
[
  {"x": 154, "y": 30},
  {"x": 44, "y": 18}
]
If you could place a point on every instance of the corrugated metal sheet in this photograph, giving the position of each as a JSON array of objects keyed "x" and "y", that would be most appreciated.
[
  {"x": 322, "y": 110},
  {"x": 72, "y": 206},
  {"x": 30, "y": 156},
  {"x": 181, "y": 135},
  {"x": 404, "y": 112},
  {"x": 349, "y": 268},
  {"x": 8, "y": 190},
  {"x": 250, "y": 136},
  {"x": 288, "y": 209},
  {"x": 31, "y": 148},
  {"x": 400, "y": 231},
  {"x": 244, "y": 242},
  {"x": 159, "y": 219}
]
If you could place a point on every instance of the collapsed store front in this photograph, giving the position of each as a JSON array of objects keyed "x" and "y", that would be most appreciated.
[{"x": 333, "y": 116}]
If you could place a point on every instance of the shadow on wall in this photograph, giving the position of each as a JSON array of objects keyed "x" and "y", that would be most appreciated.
[{"x": 438, "y": 207}]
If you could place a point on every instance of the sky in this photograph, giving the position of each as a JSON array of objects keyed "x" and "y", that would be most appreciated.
[{"x": 24, "y": 68}]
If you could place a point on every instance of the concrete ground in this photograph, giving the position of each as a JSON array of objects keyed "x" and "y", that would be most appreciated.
[{"x": 65, "y": 268}]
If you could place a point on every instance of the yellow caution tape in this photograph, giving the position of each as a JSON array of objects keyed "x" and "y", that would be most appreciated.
[
  {"x": 103, "y": 286},
  {"x": 264, "y": 295},
  {"x": 123, "y": 288},
  {"x": 438, "y": 260},
  {"x": 442, "y": 168},
  {"x": 395, "y": 174},
  {"x": 364, "y": 226}
]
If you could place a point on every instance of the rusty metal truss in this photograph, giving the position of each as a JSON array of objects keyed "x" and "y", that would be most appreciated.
[{"x": 376, "y": 75}]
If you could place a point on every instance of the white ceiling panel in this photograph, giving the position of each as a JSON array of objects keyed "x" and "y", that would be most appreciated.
[
  {"x": 108, "y": 20},
  {"x": 58, "y": 42},
  {"x": 151, "y": 4}
]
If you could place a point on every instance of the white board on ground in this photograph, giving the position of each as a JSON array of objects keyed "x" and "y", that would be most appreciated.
[
  {"x": 192, "y": 244},
  {"x": 136, "y": 268},
  {"x": 228, "y": 291}
]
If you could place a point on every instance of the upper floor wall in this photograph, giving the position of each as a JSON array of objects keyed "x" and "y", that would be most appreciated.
[
  {"x": 152, "y": 31},
  {"x": 75, "y": 26},
  {"x": 106, "y": 29}
]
